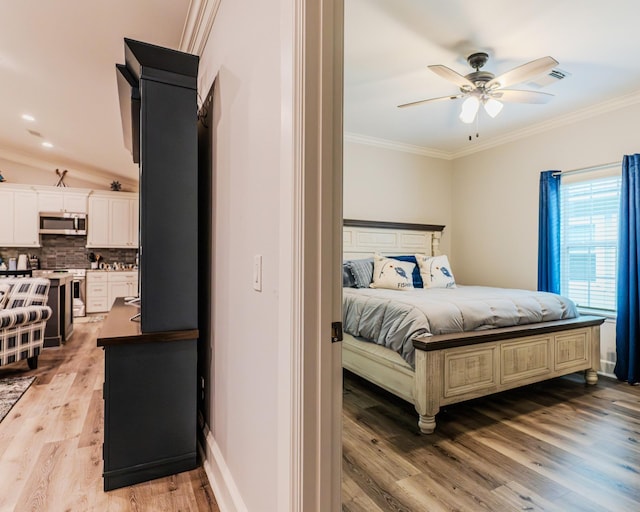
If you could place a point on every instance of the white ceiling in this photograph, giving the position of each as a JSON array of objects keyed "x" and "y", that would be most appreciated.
[
  {"x": 57, "y": 63},
  {"x": 390, "y": 43}
]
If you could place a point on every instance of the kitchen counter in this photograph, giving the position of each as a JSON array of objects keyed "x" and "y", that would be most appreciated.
[
  {"x": 60, "y": 326},
  {"x": 63, "y": 277}
]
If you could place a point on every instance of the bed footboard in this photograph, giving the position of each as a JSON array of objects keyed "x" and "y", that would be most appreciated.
[{"x": 454, "y": 368}]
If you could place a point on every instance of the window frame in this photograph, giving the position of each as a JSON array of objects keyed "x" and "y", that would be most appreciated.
[{"x": 605, "y": 231}]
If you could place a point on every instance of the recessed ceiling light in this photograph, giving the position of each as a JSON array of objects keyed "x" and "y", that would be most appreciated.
[
  {"x": 28, "y": 117},
  {"x": 47, "y": 144}
]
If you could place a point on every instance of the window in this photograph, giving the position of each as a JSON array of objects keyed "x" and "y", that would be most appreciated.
[{"x": 588, "y": 238}]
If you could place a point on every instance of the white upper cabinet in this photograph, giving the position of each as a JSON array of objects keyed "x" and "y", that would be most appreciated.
[
  {"x": 113, "y": 220},
  {"x": 18, "y": 217},
  {"x": 59, "y": 199}
]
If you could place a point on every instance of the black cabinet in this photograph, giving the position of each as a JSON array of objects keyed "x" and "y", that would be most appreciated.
[
  {"x": 158, "y": 94},
  {"x": 150, "y": 388},
  {"x": 150, "y": 400}
]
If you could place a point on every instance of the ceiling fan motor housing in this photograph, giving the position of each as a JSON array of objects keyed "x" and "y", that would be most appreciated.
[{"x": 479, "y": 78}]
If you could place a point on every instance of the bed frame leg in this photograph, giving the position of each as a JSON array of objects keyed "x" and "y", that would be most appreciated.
[
  {"x": 426, "y": 391},
  {"x": 427, "y": 424},
  {"x": 591, "y": 376}
]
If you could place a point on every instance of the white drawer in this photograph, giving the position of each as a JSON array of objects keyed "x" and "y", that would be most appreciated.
[
  {"x": 97, "y": 277},
  {"x": 95, "y": 290},
  {"x": 123, "y": 277},
  {"x": 97, "y": 305}
]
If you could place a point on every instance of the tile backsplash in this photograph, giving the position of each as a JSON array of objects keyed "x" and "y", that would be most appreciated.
[{"x": 62, "y": 251}]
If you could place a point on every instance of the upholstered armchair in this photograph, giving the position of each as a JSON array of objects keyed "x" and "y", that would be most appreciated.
[{"x": 23, "y": 317}]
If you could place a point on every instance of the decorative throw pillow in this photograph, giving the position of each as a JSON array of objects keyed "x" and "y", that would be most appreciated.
[
  {"x": 348, "y": 280},
  {"x": 436, "y": 271},
  {"x": 417, "y": 280},
  {"x": 362, "y": 271},
  {"x": 392, "y": 274}
]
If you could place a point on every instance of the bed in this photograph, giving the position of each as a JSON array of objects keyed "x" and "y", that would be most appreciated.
[{"x": 447, "y": 365}]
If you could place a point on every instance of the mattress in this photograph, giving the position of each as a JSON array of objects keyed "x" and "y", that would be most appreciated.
[{"x": 391, "y": 318}]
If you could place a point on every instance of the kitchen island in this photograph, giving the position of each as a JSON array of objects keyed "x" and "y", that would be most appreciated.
[{"x": 60, "y": 325}]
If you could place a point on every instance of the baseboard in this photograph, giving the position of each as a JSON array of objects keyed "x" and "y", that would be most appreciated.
[
  {"x": 224, "y": 488},
  {"x": 114, "y": 479},
  {"x": 606, "y": 368}
]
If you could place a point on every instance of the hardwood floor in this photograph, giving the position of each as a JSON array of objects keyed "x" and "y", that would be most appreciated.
[
  {"x": 555, "y": 446},
  {"x": 51, "y": 442}
]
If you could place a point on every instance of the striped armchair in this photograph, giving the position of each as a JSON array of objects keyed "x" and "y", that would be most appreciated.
[{"x": 23, "y": 317}]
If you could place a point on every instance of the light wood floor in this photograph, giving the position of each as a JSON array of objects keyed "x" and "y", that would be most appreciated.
[
  {"x": 558, "y": 446},
  {"x": 51, "y": 442}
]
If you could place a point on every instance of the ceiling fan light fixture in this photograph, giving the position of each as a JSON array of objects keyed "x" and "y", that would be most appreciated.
[
  {"x": 492, "y": 107},
  {"x": 469, "y": 110}
]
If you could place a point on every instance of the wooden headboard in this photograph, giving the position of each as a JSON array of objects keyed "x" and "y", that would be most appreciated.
[{"x": 362, "y": 238}]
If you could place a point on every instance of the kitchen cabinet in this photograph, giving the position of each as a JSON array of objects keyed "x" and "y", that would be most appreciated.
[
  {"x": 113, "y": 220},
  {"x": 104, "y": 287},
  {"x": 57, "y": 199},
  {"x": 19, "y": 217},
  {"x": 122, "y": 284},
  {"x": 97, "y": 292}
]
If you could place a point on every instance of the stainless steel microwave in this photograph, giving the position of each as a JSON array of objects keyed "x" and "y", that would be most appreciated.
[{"x": 63, "y": 223}]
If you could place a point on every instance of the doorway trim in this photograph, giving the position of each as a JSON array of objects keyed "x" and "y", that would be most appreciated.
[{"x": 310, "y": 385}]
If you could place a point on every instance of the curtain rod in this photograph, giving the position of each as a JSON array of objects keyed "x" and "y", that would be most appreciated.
[{"x": 589, "y": 169}]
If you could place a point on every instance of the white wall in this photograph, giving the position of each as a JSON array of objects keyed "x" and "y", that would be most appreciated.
[
  {"x": 495, "y": 198},
  {"x": 388, "y": 185},
  {"x": 246, "y": 205}
]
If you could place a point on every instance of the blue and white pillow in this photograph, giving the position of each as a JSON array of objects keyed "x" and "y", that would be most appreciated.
[
  {"x": 417, "y": 279},
  {"x": 436, "y": 271},
  {"x": 392, "y": 274}
]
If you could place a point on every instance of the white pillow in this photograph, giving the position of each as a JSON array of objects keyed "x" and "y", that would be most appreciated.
[
  {"x": 392, "y": 274},
  {"x": 436, "y": 271}
]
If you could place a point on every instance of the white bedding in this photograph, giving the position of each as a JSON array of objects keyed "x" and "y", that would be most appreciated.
[{"x": 392, "y": 318}]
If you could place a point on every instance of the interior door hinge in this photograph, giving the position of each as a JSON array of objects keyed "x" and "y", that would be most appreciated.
[{"x": 336, "y": 332}]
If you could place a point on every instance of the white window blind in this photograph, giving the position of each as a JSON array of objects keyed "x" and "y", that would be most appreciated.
[{"x": 588, "y": 237}]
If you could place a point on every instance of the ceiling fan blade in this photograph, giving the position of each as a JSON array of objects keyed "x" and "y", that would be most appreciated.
[
  {"x": 523, "y": 73},
  {"x": 516, "y": 96},
  {"x": 413, "y": 103},
  {"x": 452, "y": 76}
]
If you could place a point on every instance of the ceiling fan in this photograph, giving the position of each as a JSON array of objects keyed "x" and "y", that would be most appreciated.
[{"x": 483, "y": 87}]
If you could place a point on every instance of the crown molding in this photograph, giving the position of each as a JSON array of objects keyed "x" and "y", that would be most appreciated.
[
  {"x": 197, "y": 26},
  {"x": 556, "y": 122},
  {"x": 396, "y": 146}
]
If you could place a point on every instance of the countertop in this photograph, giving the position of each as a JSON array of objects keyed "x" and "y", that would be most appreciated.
[
  {"x": 52, "y": 275},
  {"x": 119, "y": 329}
]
